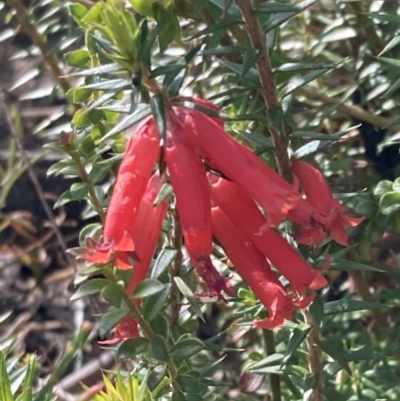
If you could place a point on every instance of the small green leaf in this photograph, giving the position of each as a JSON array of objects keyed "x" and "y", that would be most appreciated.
[
  {"x": 80, "y": 118},
  {"x": 89, "y": 231},
  {"x": 165, "y": 191},
  {"x": 78, "y": 95},
  {"x": 140, "y": 113},
  {"x": 60, "y": 165},
  {"x": 158, "y": 349},
  {"x": 383, "y": 187},
  {"x": 350, "y": 305},
  {"x": 154, "y": 304},
  {"x": 156, "y": 375},
  {"x": 336, "y": 352},
  {"x": 297, "y": 83},
  {"x": 64, "y": 198},
  {"x": 158, "y": 110},
  {"x": 113, "y": 294},
  {"x": 221, "y": 25},
  {"x": 132, "y": 347},
  {"x": 188, "y": 383},
  {"x": 186, "y": 347},
  {"x": 188, "y": 294},
  {"x": 296, "y": 338},
  {"x": 163, "y": 261},
  {"x": 160, "y": 325},
  {"x": 78, "y": 58},
  {"x": 79, "y": 190},
  {"x": 110, "y": 319},
  {"x": 367, "y": 208},
  {"x": 147, "y": 287},
  {"x": 389, "y": 203},
  {"x": 89, "y": 288}
]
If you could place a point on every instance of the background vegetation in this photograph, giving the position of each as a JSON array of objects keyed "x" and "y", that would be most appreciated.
[{"x": 76, "y": 76}]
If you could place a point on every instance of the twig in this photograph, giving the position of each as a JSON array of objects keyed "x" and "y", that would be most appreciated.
[
  {"x": 314, "y": 360},
  {"x": 175, "y": 268},
  {"x": 35, "y": 181},
  {"x": 49, "y": 57},
  {"x": 352, "y": 110},
  {"x": 268, "y": 86}
]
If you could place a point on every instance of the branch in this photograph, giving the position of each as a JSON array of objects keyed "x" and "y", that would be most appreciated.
[{"x": 268, "y": 87}]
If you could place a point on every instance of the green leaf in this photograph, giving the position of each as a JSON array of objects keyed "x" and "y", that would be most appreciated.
[
  {"x": 132, "y": 347},
  {"x": 389, "y": 203},
  {"x": 383, "y": 187},
  {"x": 280, "y": 18},
  {"x": 89, "y": 231},
  {"x": 367, "y": 208},
  {"x": 78, "y": 95},
  {"x": 103, "y": 69},
  {"x": 110, "y": 319},
  {"x": 64, "y": 198},
  {"x": 62, "y": 165},
  {"x": 160, "y": 325},
  {"x": 113, "y": 294},
  {"x": 158, "y": 349},
  {"x": 188, "y": 383},
  {"x": 89, "y": 288},
  {"x": 77, "y": 12},
  {"x": 156, "y": 375},
  {"x": 158, "y": 110},
  {"x": 78, "y": 58},
  {"x": 221, "y": 25},
  {"x": 336, "y": 352},
  {"x": 275, "y": 7},
  {"x": 186, "y": 347},
  {"x": 297, "y": 83},
  {"x": 188, "y": 294},
  {"x": 154, "y": 304},
  {"x": 224, "y": 50},
  {"x": 141, "y": 112},
  {"x": 79, "y": 190},
  {"x": 296, "y": 338},
  {"x": 80, "y": 118},
  {"x": 163, "y": 261},
  {"x": 348, "y": 265},
  {"x": 269, "y": 360},
  {"x": 5, "y": 385},
  {"x": 396, "y": 185},
  {"x": 178, "y": 396},
  {"x": 147, "y": 287},
  {"x": 349, "y": 305}
]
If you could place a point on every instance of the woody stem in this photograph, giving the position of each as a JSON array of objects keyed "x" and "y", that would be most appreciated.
[
  {"x": 268, "y": 87},
  {"x": 147, "y": 330},
  {"x": 314, "y": 361},
  {"x": 175, "y": 268}
]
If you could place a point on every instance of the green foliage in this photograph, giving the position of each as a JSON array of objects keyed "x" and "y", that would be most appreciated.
[{"x": 127, "y": 58}]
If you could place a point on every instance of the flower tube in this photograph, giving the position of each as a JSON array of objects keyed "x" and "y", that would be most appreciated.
[
  {"x": 146, "y": 230},
  {"x": 324, "y": 214},
  {"x": 244, "y": 214},
  {"x": 254, "y": 269},
  {"x": 140, "y": 157},
  {"x": 239, "y": 164},
  {"x": 189, "y": 180}
]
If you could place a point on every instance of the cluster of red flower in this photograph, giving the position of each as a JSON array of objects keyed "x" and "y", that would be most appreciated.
[{"x": 224, "y": 207}]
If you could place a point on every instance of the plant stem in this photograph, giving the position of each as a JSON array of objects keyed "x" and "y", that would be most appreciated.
[
  {"x": 175, "y": 269},
  {"x": 352, "y": 110},
  {"x": 49, "y": 57},
  {"x": 314, "y": 360},
  {"x": 92, "y": 194},
  {"x": 268, "y": 87},
  {"x": 269, "y": 343}
]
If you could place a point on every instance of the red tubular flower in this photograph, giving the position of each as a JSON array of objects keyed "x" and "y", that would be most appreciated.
[
  {"x": 146, "y": 230},
  {"x": 188, "y": 177},
  {"x": 321, "y": 213},
  {"x": 141, "y": 155},
  {"x": 244, "y": 214},
  {"x": 239, "y": 164},
  {"x": 125, "y": 329},
  {"x": 255, "y": 270}
]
